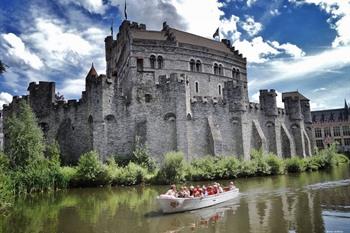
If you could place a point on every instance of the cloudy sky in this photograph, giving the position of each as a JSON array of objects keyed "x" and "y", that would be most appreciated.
[{"x": 290, "y": 44}]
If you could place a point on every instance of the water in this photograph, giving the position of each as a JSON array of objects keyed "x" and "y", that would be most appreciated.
[{"x": 308, "y": 202}]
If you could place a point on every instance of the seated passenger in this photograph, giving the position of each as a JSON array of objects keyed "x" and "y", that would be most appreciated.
[
  {"x": 172, "y": 191},
  {"x": 232, "y": 185},
  {"x": 220, "y": 188},
  {"x": 215, "y": 188},
  {"x": 186, "y": 192},
  {"x": 210, "y": 190},
  {"x": 205, "y": 192},
  {"x": 181, "y": 193},
  {"x": 191, "y": 190}
]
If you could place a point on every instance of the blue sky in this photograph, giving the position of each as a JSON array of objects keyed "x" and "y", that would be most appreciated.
[{"x": 290, "y": 44}]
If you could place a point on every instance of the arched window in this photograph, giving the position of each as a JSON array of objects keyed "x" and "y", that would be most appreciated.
[
  {"x": 220, "y": 70},
  {"x": 219, "y": 86},
  {"x": 192, "y": 65},
  {"x": 198, "y": 66},
  {"x": 237, "y": 73},
  {"x": 233, "y": 73},
  {"x": 152, "y": 61},
  {"x": 197, "y": 87},
  {"x": 216, "y": 68},
  {"x": 160, "y": 62}
]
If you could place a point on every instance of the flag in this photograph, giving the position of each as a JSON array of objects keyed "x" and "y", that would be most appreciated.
[
  {"x": 216, "y": 33},
  {"x": 112, "y": 29},
  {"x": 125, "y": 14}
]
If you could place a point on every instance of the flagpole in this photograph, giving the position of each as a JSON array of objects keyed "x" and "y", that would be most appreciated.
[{"x": 125, "y": 14}]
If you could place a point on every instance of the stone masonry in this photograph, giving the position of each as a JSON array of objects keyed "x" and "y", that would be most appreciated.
[{"x": 174, "y": 91}]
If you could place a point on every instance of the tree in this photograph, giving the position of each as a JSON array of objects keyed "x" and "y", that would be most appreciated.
[
  {"x": 2, "y": 67},
  {"x": 25, "y": 138}
]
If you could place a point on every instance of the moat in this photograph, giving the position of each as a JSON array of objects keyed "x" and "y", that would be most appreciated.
[{"x": 307, "y": 202}]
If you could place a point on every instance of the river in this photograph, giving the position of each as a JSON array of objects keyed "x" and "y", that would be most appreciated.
[{"x": 307, "y": 202}]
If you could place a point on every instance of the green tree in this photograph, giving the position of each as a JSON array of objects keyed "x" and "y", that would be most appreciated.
[{"x": 26, "y": 142}]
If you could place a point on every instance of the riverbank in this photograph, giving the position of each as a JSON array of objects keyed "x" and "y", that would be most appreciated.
[
  {"x": 91, "y": 172},
  {"x": 299, "y": 202}
]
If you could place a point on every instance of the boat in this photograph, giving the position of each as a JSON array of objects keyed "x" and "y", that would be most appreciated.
[{"x": 171, "y": 204}]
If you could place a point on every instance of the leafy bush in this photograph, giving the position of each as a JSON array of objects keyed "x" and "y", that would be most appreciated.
[
  {"x": 247, "y": 168},
  {"x": 6, "y": 194},
  {"x": 142, "y": 157},
  {"x": 69, "y": 175},
  {"x": 131, "y": 174},
  {"x": 91, "y": 171},
  {"x": 276, "y": 164},
  {"x": 172, "y": 169},
  {"x": 259, "y": 158},
  {"x": 295, "y": 164}
]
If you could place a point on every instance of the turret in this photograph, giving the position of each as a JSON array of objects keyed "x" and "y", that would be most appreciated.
[
  {"x": 41, "y": 97},
  {"x": 234, "y": 95},
  {"x": 292, "y": 104},
  {"x": 268, "y": 102}
]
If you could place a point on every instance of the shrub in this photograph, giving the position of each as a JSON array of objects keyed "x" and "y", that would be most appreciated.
[
  {"x": 230, "y": 167},
  {"x": 130, "y": 175},
  {"x": 172, "y": 169},
  {"x": 276, "y": 164},
  {"x": 91, "y": 171},
  {"x": 142, "y": 157},
  {"x": 295, "y": 164},
  {"x": 204, "y": 168},
  {"x": 259, "y": 158},
  {"x": 247, "y": 168},
  {"x": 69, "y": 175},
  {"x": 6, "y": 194}
]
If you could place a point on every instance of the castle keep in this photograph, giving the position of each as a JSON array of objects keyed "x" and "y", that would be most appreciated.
[{"x": 174, "y": 91}]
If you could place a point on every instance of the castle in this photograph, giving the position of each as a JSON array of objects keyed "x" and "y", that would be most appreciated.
[{"x": 173, "y": 91}]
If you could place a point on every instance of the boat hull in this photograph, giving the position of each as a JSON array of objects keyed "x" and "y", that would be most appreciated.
[{"x": 170, "y": 204}]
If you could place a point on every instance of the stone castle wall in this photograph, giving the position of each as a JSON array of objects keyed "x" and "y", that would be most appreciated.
[{"x": 164, "y": 108}]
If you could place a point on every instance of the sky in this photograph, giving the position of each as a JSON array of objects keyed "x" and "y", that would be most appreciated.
[{"x": 290, "y": 45}]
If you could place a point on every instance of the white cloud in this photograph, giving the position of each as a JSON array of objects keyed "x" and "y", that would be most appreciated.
[
  {"x": 336, "y": 58},
  {"x": 250, "y": 2},
  {"x": 319, "y": 89},
  {"x": 93, "y": 6},
  {"x": 289, "y": 48},
  {"x": 72, "y": 87},
  {"x": 250, "y": 26},
  {"x": 275, "y": 12},
  {"x": 5, "y": 98},
  {"x": 280, "y": 104},
  {"x": 16, "y": 48},
  {"x": 228, "y": 28}
]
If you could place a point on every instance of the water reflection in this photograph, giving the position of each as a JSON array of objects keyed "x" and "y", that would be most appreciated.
[{"x": 310, "y": 202}]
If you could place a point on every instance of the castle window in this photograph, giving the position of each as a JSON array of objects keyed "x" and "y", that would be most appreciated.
[
  {"x": 216, "y": 68},
  {"x": 346, "y": 130},
  {"x": 327, "y": 132},
  {"x": 197, "y": 87},
  {"x": 318, "y": 133},
  {"x": 198, "y": 66},
  {"x": 237, "y": 73},
  {"x": 139, "y": 64},
  {"x": 219, "y": 89},
  {"x": 148, "y": 98},
  {"x": 221, "y": 71},
  {"x": 160, "y": 62},
  {"x": 152, "y": 61},
  {"x": 192, "y": 65},
  {"x": 347, "y": 141},
  {"x": 336, "y": 131},
  {"x": 319, "y": 144},
  {"x": 233, "y": 73}
]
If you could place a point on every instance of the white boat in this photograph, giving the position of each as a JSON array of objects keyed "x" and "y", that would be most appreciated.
[{"x": 171, "y": 204}]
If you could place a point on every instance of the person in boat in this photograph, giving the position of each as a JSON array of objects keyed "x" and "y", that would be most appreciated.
[
  {"x": 172, "y": 191},
  {"x": 210, "y": 190},
  {"x": 205, "y": 192},
  {"x": 192, "y": 191},
  {"x": 220, "y": 189},
  {"x": 232, "y": 185}
]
